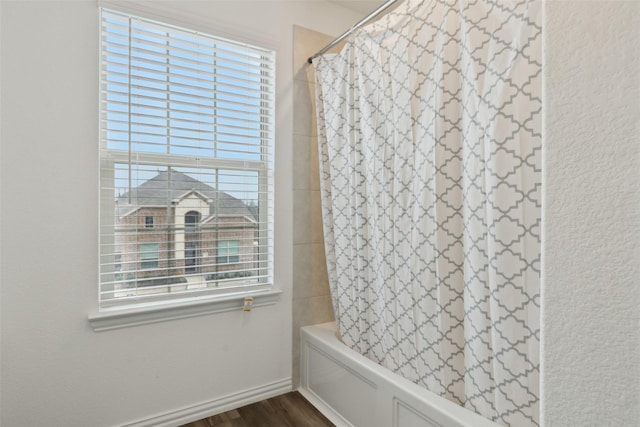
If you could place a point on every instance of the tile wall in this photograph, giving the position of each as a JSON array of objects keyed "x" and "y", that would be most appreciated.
[{"x": 311, "y": 299}]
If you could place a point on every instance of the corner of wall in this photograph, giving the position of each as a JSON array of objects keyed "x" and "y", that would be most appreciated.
[{"x": 311, "y": 299}]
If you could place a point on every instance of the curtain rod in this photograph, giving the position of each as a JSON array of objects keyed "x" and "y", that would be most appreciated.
[{"x": 360, "y": 23}]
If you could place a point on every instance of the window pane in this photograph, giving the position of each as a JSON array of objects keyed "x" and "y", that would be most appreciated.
[
  {"x": 234, "y": 251},
  {"x": 228, "y": 251},
  {"x": 149, "y": 255}
]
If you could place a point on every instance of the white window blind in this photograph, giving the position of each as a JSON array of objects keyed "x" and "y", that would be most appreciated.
[{"x": 186, "y": 139}]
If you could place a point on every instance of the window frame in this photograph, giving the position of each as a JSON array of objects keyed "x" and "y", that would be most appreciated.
[
  {"x": 265, "y": 293},
  {"x": 227, "y": 247},
  {"x": 145, "y": 257}
]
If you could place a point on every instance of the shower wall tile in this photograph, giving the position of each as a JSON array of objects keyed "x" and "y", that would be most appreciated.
[
  {"x": 306, "y": 175},
  {"x": 301, "y": 217},
  {"x": 304, "y": 112},
  {"x": 309, "y": 271},
  {"x": 311, "y": 298},
  {"x": 314, "y": 164},
  {"x": 306, "y": 43},
  {"x": 316, "y": 230},
  {"x": 301, "y": 159},
  {"x": 312, "y": 310},
  {"x": 307, "y": 217}
]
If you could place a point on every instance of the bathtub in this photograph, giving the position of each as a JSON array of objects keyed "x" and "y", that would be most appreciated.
[{"x": 353, "y": 391}]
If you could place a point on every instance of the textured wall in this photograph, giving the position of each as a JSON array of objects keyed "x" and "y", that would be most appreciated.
[
  {"x": 54, "y": 367},
  {"x": 591, "y": 214}
]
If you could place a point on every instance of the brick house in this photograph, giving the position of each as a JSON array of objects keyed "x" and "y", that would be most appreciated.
[{"x": 173, "y": 228}]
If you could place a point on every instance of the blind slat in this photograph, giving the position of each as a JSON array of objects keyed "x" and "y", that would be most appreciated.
[
  {"x": 189, "y": 45},
  {"x": 196, "y": 113},
  {"x": 164, "y": 53},
  {"x": 189, "y": 123},
  {"x": 158, "y": 77}
]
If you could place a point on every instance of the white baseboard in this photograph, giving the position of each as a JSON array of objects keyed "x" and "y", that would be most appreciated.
[{"x": 216, "y": 406}]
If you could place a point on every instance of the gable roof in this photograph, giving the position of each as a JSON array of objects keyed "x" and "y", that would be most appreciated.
[{"x": 172, "y": 186}]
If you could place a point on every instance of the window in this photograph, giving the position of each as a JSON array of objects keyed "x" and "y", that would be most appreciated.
[
  {"x": 185, "y": 149},
  {"x": 148, "y": 255},
  {"x": 228, "y": 252},
  {"x": 191, "y": 258},
  {"x": 191, "y": 220}
]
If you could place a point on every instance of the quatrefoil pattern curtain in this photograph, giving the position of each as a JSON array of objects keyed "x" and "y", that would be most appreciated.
[{"x": 429, "y": 129}]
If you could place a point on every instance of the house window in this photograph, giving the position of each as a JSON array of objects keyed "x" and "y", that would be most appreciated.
[
  {"x": 228, "y": 251},
  {"x": 191, "y": 220},
  {"x": 191, "y": 258},
  {"x": 187, "y": 124},
  {"x": 148, "y": 255},
  {"x": 118, "y": 262}
]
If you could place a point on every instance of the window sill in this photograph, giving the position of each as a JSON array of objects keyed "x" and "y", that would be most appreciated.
[{"x": 124, "y": 318}]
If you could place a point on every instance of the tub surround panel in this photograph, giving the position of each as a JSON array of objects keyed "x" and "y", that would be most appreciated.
[
  {"x": 344, "y": 390},
  {"x": 308, "y": 311},
  {"x": 353, "y": 391},
  {"x": 406, "y": 416}
]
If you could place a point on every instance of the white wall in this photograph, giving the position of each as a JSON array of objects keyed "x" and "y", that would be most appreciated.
[
  {"x": 55, "y": 369},
  {"x": 591, "y": 279}
]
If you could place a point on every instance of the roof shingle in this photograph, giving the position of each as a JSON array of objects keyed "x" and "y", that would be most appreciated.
[{"x": 171, "y": 186}]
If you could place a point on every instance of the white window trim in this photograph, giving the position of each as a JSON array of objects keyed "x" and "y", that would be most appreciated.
[
  {"x": 118, "y": 317},
  {"x": 192, "y": 307}
]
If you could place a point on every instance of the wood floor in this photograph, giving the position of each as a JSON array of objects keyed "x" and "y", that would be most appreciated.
[{"x": 287, "y": 410}]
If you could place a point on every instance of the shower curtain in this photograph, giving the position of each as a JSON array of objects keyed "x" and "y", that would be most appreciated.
[{"x": 429, "y": 131}]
